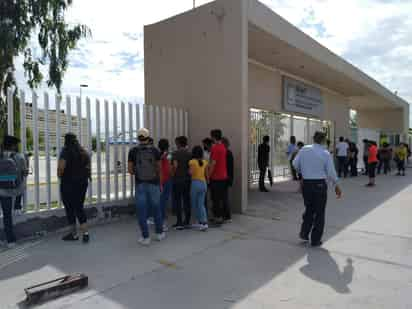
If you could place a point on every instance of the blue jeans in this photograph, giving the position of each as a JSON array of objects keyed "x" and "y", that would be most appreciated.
[
  {"x": 148, "y": 199},
  {"x": 198, "y": 195},
  {"x": 165, "y": 196},
  {"x": 7, "y": 206}
]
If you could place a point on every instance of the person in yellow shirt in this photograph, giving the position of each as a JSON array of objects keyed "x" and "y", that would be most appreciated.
[
  {"x": 401, "y": 155},
  {"x": 199, "y": 172}
]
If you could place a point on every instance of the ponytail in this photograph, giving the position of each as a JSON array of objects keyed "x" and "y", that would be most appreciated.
[{"x": 200, "y": 162}]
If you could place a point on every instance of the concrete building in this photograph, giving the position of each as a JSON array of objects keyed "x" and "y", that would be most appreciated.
[
  {"x": 226, "y": 58},
  {"x": 64, "y": 126}
]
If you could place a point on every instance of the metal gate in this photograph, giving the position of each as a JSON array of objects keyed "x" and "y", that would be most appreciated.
[{"x": 279, "y": 127}]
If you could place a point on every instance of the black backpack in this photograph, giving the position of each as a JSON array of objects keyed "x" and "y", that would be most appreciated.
[
  {"x": 10, "y": 174},
  {"x": 146, "y": 167}
]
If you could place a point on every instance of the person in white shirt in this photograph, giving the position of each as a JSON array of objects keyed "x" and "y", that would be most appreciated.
[
  {"x": 315, "y": 164},
  {"x": 342, "y": 150}
]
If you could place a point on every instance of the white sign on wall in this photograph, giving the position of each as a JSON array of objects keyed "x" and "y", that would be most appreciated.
[{"x": 301, "y": 98}]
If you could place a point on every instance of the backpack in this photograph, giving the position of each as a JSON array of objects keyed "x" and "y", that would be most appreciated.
[
  {"x": 10, "y": 174},
  {"x": 146, "y": 168}
]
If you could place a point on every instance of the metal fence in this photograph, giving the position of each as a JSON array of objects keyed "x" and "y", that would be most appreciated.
[
  {"x": 106, "y": 129},
  {"x": 279, "y": 127}
]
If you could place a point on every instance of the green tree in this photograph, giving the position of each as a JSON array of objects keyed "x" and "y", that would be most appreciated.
[{"x": 20, "y": 22}]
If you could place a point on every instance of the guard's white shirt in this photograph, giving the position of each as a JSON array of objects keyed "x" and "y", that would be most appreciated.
[{"x": 314, "y": 162}]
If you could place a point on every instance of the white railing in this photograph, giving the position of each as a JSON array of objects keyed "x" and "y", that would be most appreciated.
[{"x": 114, "y": 126}]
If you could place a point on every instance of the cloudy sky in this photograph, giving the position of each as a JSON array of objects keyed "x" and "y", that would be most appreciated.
[{"x": 374, "y": 35}]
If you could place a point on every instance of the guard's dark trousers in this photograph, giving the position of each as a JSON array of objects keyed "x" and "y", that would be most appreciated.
[{"x": 315, "y": 195}]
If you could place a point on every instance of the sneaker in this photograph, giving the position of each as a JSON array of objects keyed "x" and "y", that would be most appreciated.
[
  {"x": 227, "y": 221},
  {"x": 70, "y": 237},
  {"x": 161, "y": 236},
  {"x": 203, "y": 227},
  {"x": 178, "y": 227},
  {"x": 165, "y": 228},
  {"x": 150, "y": 221},
  {"x": 144, "y": 241},
  {"x": 86, "y": 238},
  {"x": 196, "y": 226},
  {"x": 11, "y": 245}
]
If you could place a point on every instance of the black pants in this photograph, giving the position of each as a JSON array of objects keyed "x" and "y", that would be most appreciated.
[
  {"x": 181, "y": 200},
  {"x": 386, "y": 164},
  {"x": 262, "y": 174},
  {"x": 220, "y": 199},
  {"x": 353, "y": 163},
  {"x": 315, "y": 195},
  {"x": 401, "y": 166},
  {"x": 342, "y": 166},
  {"x": 366, "y": 164},
  {"x": 7, "y": 207},
  {"x": 73, "y": 194},
  {"x": 372, "y": 169},
  {"x": 293, "y": 171}
]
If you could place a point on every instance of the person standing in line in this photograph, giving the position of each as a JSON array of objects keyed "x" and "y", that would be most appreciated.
[
  {"x": 12, "y": 185},
  {"x": 207, "y": 146},
  {"x": 144, "y": 162},
  {"x": 166, "y": 180},
  {"x": 291, "y": 149},
  {"x": 384, "y": 155},
  {"x": 181, "y": 182},
  {"x": 342, "y": 150},
  {"x": 365, "y": 156},
  {"x": 219, "y": 178},
  {"x": 199, "y": 172},
  {"x": 74, "y": 171},
  {"x": 230, "y": 174},
  {"x": 372, "y": 162},
  {"x": 401, "y": 155},
  {"x": 315, "y": 164},
  {"x": 353, "y": 159},
  {"x": 263, "y": 162}
]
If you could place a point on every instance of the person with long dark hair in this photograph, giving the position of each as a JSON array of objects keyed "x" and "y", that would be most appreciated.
[
  {"x": 199, "y": 172},
  {"x": 74, "y": 171}
]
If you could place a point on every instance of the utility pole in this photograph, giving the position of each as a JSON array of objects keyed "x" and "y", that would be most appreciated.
[{"x": 194, "y": 3}]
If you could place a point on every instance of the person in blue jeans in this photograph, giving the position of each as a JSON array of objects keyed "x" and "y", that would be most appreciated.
[
  {"x": 166, "y": 184},
  {"x": 199, "y": 173},
  {"x": 144, "y": 164}
]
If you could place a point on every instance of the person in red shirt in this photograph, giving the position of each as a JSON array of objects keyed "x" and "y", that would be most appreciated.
[
  {"x": 372, "y": 162},
  {"x": 166, "y": 180},
  {"x": 219, "y": 178}
]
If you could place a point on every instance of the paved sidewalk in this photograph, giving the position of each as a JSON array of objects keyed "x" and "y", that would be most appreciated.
[{"x": 255, "y": 262}]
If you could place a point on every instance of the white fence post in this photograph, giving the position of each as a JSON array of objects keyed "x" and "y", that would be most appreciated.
[
  {"x": 36, "y": 152},
  {"x": 130, "y": 143},
  {"x": 23, "y": 138},
  {"x": 116, "y": 154},
  {"x": 98, "y": 154},
  {"x": 58, "y": 136},
  {"x": 79, "y": 120},
  {"x": 47, "y": 148},
  {"x": 124, "y": 163},
  {"x": 89, "y": 146},
  {"x": 69, "y": 113},
  {"x": 107, "y": 154},
  {"x": 10, "y": 112}
]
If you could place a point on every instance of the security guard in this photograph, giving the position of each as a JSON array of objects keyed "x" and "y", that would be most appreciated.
[{"x": 315, "y": 164}]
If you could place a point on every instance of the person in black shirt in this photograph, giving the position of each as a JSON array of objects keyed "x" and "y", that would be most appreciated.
[
  {"x": 263, "y": 162},
  {"x": 74, "y": 171}
]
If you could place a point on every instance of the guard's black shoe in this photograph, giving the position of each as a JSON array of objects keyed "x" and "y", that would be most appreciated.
[{"x": 316, "y": 244}]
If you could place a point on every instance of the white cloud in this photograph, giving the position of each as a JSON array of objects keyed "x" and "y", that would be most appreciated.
[{"x": 375, "y": 35}]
